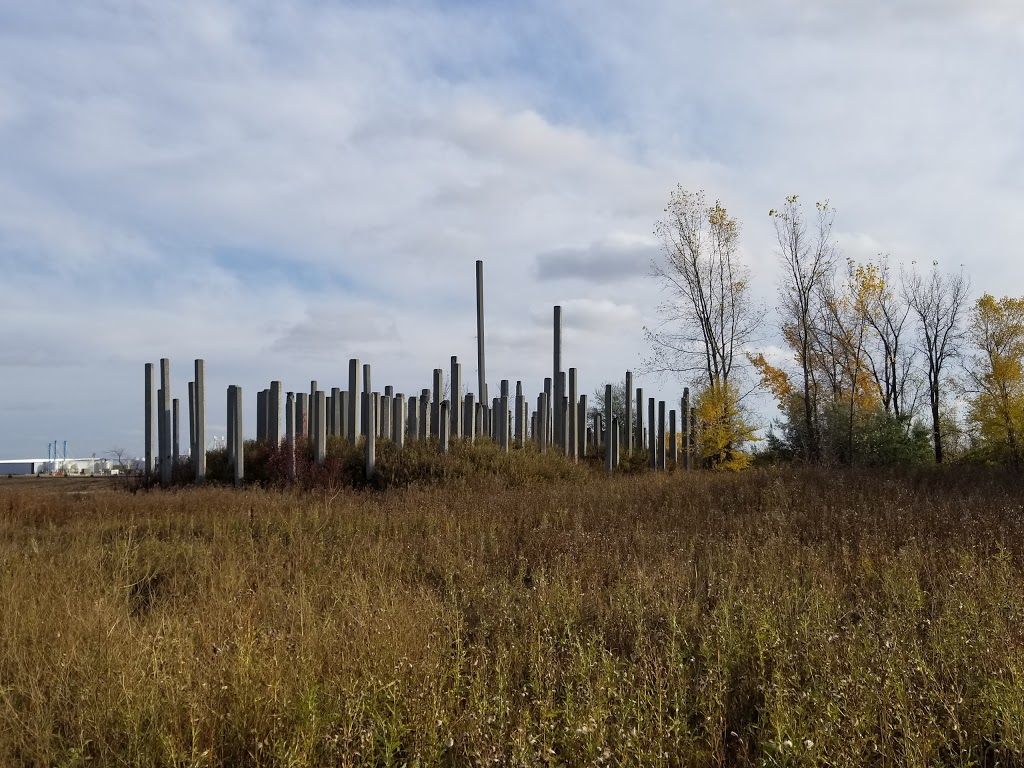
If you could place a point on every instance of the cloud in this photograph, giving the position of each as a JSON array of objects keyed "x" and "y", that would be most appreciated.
[{"x": 605, "y": 261}]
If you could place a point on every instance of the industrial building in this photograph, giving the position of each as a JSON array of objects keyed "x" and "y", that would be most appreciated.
[{"x": 89, "y": 466}]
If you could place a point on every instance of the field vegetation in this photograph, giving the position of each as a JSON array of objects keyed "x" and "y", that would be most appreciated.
[{"x": 517, "y": 617}]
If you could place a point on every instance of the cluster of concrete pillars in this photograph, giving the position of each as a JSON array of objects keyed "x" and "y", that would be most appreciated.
[{"x": 442, "y": 413}]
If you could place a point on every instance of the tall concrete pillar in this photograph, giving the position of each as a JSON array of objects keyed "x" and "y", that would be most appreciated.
[
  {"x": 354, "y": 416},
  {"x": 166, "y": 444},
  {"x": 199, "y": 457},
  {"x": 653, "y": 434},
  {"x": 301, "y": 415},
  {"x": 479, "y": 419},
  {"x": 661, "y": 435},
  {"x": 694, "y": 435},
  {"x": 175, "y": 431},
  {"x": 192, "y": 419},
  {"x": 503, "y": 416},
  {"x": 629, "y": 413},
  {"x": 542, "y": 433},
  {"x": 311, "y": 418},
  {"x": 638, "y": 438},
  {"x": 239, "y": 434},
  {"x": 261, "y": 416},
  {"x": 398, "y": 420},
  {"x": 367, "y": 389},
  {"x": 469, "y": 417},
  {"x": 334, "y": 413},
  {"x": 556, "y": 378},
  {"x": 289, "y": 429},
  {"x": 520, "y": 425},
  {"x": 344, "y": 408},
  {"x": 573, "y": 414},
  {"x": 386, "y": 412},
  {"x": 274, "y": 415},
  {"x": 608, "y": 416},
  {"x": 150, "y": 452},
  {"x": 414, "y": 418},
  {"x": 232, "y": 443},
  {"x": 320, "y": 436},
  {"x": 435, "y": 403},
  {"x": 672, "y": 440},
  {"x": 371, "y": 433},
  {"x": 443, "y": 426},
  {"x": 611, "y": 443},
  {"x": 378, "y": 416},
  {"x": 425, "y": 415},
  {"x": 562, "y": 388},
  {"x": 549, "y": 393},
  {"x": 581, "y": 425},
  {"x": 599, "y": 436},
  {"x": 687, "y": 434},
  {"x": 456, "y": 397},
  {"x": 481, "y": 368}
]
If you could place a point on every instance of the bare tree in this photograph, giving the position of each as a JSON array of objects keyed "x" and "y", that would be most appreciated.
[
  {"x": 938, "y": 303},
  {"x": 708, "y": 313},
  {"x": 892, "y": 360},
  {"x": 808, "y": 258}
]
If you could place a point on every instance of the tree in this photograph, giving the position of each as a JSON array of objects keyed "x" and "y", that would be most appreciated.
[
  {"x": 808, "y": 260},
  {"x": 937, "y": 302},
  {"x": 722, "y": 428},
  {"x": 708, "y": 313},
  {"x": 619, "y": 396},
  {"x": 996, "y": 374},
  {"x": 891, "y": 359}
]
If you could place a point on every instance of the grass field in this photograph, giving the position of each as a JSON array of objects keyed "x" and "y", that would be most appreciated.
[{"x": 777, "y": 618}]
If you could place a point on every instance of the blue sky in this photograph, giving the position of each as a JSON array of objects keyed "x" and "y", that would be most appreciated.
[{"x": 277, "y": 187}]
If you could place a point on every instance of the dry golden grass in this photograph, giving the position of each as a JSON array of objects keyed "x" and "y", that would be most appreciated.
[{"x": 784, "y": 618}]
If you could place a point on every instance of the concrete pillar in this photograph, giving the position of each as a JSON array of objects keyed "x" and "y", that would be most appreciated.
[
  {"x": 456, "y": 397},
  {"x": 687, "y": 434},
  {"x": 503, "y": 417},
  {"x": 175, "y": 431},
  {"x": 354, "y": 416},
  {"x": 617, "y": 447},
  {"x": 231, "y": 425},
  {"x": 561, "y": 387},
  {"x": 608, "y": 416},
  {"x": 311, "y": 412},
  {"x": 414, "y": 418},
  {"x": 444, "y": 425},
  {"x": 540, "y": 431},
  {"x": 199, "y": 456},
  {"x": 661, "y": 435},
  {"x": 573, "y": 415},
  {"x": 598, "y": 432},
  {"x": 274, "y": 415},
  {"x": 653, "y": 435},
  {"x": 424, "y": 414},
  {"x": 520, "y": 425},
  {"x": 479, "y": 419},
  {"x": 495, "y": 418},
  {"x": 581, "y": 425},
  {"x": 239, "y": 435},
  {"x": 371, "y": 432},
  {"x": 191, "y": 419},
  {"x": 611, "y": 445},
  {"x": 672, "y": 441},
  {"x": 638, "y": 438},
  {"x": 386, "y": 410},
  {"x": 398, "y": 421},
  {"x": 320, "y": 424},
  {"x": 435, "y": 403},
  {"x": 150, "y": 452},
  {"x": 548, "y": 395},
  {"x": 289, "y": 433},
  {"x": 343, "y": 412},
  {"x": 469, "y": 417},
  {"x": 629, "y": 413},
  {"x": 556, "y": 378},
  {"x": 481, "y": 372},
  {"x": 334, "y": 412},
  {"x": 366, "y": 421},
  {"x": 166, "y": 445},
  {"x": 301, "y": 415},
  {"x": 261, "y": 416}
]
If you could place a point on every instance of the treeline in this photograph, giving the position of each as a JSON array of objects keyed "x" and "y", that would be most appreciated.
[{"x": 885, "y": 366}]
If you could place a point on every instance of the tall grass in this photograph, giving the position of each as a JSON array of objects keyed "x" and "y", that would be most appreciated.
[{"x": 782, "y": 618}]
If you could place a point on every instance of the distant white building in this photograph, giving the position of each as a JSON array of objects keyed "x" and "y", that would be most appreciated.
[{"x": 89, "y": 466}]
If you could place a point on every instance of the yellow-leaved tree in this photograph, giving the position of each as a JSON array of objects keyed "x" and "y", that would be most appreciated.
[
  {"x": 996, "y": 374},
  {"x": 723, "y": 426}
]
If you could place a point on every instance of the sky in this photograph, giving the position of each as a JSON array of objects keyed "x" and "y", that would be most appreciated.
[{"x": 279, "y": 187}]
